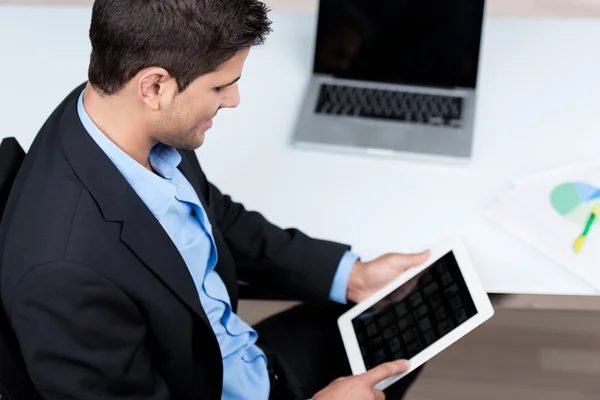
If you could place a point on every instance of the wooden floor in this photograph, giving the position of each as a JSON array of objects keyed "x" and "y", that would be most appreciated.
[
  {"x": 517, "y": 355},
  {"x": 520, "y": 355}
]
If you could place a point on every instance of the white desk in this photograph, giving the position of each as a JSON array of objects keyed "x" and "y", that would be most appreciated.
[{"x": 538, "y": 108}]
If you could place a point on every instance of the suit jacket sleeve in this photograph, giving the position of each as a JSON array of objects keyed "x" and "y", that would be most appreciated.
[
  {"x": 81, "y": 337},
  {"x": 267, "y": 255}
]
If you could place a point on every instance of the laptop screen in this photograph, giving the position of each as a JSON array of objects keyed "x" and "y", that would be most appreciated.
[{"x": 413, "y": 42}]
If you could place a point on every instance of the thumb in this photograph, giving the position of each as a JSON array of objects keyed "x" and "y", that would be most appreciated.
[
  {"x": 410, "y": 260},
  {"x": 385, "y": 371}
]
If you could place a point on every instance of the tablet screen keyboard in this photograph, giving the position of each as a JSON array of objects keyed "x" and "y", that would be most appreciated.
[{"x": 416, "y": 315}]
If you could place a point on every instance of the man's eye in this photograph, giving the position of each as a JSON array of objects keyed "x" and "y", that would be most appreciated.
[{"x": 218, "y": 89}]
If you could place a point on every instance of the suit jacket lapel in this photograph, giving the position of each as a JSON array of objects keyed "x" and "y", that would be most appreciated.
[
  {"x": 144, "y": 235},
  {"x": 141, "y": 231}
]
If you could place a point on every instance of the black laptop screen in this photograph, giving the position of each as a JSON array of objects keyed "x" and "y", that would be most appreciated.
[{"x": 415, "y": 42}]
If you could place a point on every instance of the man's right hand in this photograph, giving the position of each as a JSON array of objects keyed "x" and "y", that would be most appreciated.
[{"x": 360, "y": 387}]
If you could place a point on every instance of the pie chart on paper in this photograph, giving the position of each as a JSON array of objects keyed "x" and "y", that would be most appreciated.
[{"x": 575, "y": 200}]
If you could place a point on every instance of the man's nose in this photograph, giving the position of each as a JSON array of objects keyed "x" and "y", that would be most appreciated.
[{"x": 232, "y": 99}]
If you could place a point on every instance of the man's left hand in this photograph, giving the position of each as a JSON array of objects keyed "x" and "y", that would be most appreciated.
[{"x": 368, "y": 277}]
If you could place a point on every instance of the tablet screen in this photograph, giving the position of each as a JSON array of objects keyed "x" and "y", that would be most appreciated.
[{"x": 416, "y": 315}]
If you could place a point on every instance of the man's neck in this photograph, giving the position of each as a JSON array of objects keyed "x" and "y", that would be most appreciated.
[{"x": 116, "y": 120}]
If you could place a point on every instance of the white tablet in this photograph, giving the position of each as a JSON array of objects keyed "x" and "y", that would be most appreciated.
[{"x": 417, "y": 315}]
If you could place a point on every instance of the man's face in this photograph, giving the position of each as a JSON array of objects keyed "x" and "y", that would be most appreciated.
[{"x": 184, "y": 122}]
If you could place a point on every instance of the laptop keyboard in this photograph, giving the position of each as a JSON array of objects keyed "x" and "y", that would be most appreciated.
[
  {"x": 391, "y": 105},
  {"x": 403, "y": 329}
]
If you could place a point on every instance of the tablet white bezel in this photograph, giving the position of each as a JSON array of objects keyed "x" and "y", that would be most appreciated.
[{"x": 478, "y": 294}]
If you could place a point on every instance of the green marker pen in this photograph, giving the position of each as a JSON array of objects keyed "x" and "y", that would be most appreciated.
[{"x": 581, "y": 239}]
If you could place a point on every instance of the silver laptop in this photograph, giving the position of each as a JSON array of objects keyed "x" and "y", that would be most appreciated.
[{"x": 394, "y": 77}]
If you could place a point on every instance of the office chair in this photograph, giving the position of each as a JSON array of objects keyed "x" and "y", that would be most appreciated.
[
  {"x": 11, "y": 157},
  {"x": 14, "y": 381}
]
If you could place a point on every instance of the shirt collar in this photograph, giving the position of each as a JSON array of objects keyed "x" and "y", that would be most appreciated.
[{"x": 154, "y": 190}]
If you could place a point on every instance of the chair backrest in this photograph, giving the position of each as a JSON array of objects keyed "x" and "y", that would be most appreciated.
[
  {"x": 14, "y": 382},
  {"x": 11, "y": 158}
]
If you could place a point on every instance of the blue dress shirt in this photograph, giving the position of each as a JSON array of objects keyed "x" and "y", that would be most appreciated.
[{"x": 175, "y": 204}]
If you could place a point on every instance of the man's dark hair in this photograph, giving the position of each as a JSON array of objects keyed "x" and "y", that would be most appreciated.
[{"x": 188, "y": 38}]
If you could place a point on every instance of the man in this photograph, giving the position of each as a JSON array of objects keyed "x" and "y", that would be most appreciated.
[{"x": 120, "y": 259}]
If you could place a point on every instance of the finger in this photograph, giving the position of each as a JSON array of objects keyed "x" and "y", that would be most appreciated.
[
  {"x": 385, "y": 371},
  {"x": 379, "y": 395}
]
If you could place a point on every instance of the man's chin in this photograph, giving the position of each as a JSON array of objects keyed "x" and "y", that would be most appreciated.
[{"x": 198, "y": 141}]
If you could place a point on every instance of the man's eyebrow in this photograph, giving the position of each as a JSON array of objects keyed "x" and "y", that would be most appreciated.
[{"x": 231, "y": 83}]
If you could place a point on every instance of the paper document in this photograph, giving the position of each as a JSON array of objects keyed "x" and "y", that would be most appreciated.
[{"x": 553, "y": 212}]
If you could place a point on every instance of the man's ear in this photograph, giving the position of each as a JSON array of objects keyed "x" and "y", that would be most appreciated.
[{"x": 156, "y": 88}]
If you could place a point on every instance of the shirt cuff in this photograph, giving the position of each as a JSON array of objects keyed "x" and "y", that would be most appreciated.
[{"x": 339, "y": 287}]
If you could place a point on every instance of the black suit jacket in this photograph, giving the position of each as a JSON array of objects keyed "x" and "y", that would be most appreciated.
[{"x": 99, "y": 297}]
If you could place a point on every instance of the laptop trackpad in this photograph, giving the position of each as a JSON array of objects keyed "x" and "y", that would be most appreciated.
[{"x": 398, "y": 138}]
